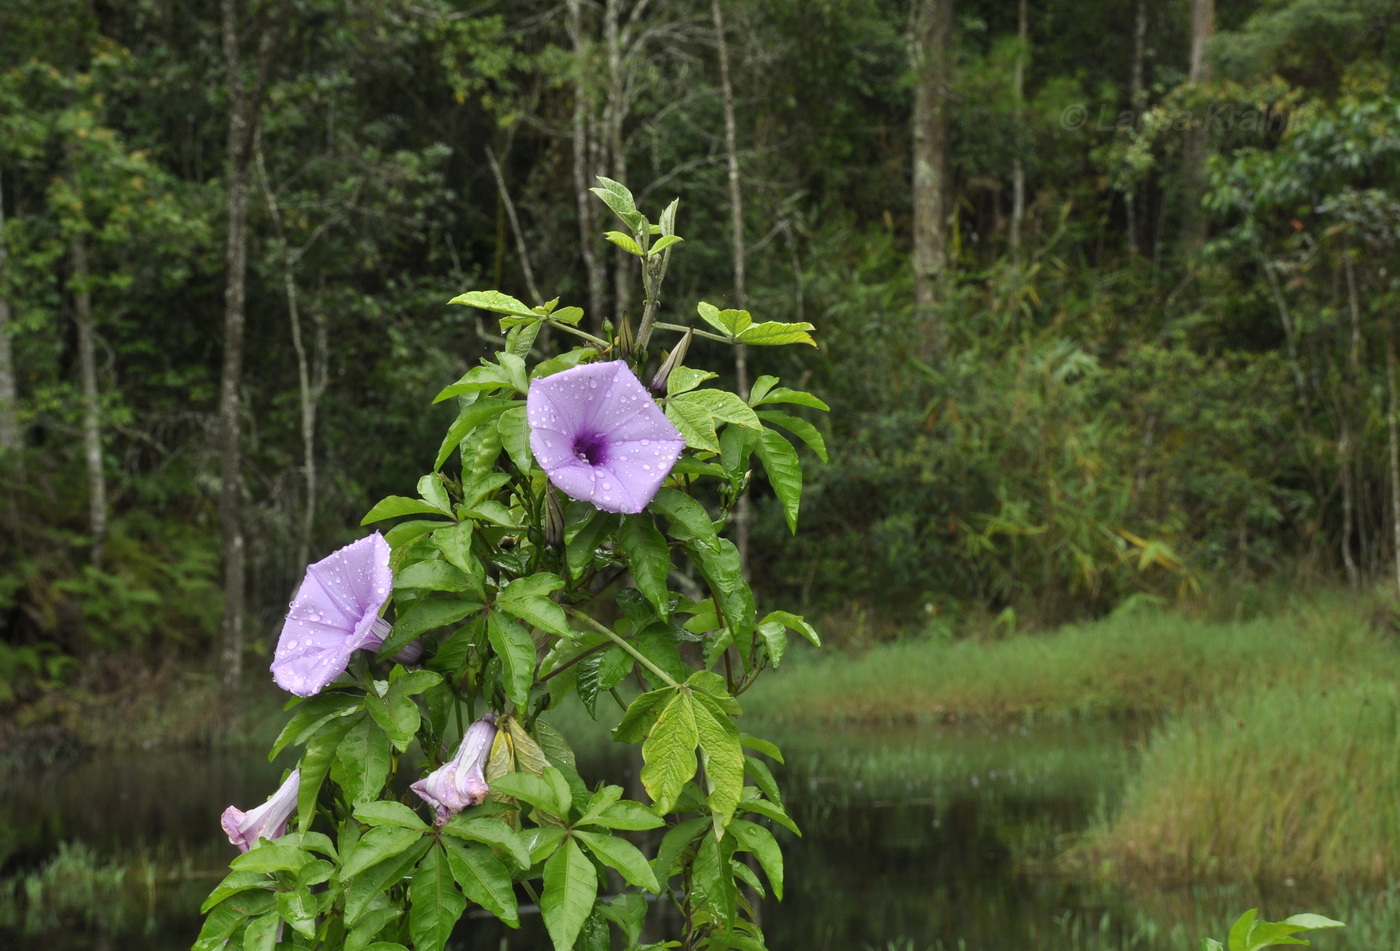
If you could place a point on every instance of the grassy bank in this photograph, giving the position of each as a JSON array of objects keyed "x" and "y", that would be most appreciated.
[
  {"x": 1280, "y": 784},
  {"x": 1140, "y": 664}
]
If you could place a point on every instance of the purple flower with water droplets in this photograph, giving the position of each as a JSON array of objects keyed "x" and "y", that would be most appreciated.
[
  {"x": 268, "y": 821},
  {"x": 461, "y": 781},
  {"x": 601, "y": 437},
  {"x": 335, "y": 613}
]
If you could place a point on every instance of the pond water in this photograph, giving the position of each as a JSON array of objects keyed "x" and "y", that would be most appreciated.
[{"x": 914, "y": 838}]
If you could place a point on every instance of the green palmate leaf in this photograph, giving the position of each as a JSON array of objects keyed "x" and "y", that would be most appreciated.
[
  {"x": 794, "y": 622},
  {"x": 433, "y": 575},
  {"x": 362, "y": 761},
  {"x": 360, "y": 936},
  {"x": 554, "y": 746},
  {"x": 528, "y": 599},
  {"x": 622, "y": 856},
  {"x": 397, "y": 716},
  {"x": 514, "y": 646},
  {"x": 626, "y": 815},
  {"x": 733, "y": 596},
  {"x": 782, "y": 394},
  {"x": 728, "y": 322},
  {"x": 425, "y": 614},
  {"x": 617, "y": 197},
  {"x": 684, "y": 379},
  {"x": 761, "y": 746},
  {"x": 584, "y": 543},
  {"x": 310, "y": 715},
  {"x": 784, "y": 473},
  {"x": 665, "y": 242},
  {"x": 769, "y": 810},
  {"x": 563, "y": 793},
  {"x": 396, "y": 505},
  {"x": 371, "y": 882},
  {"x": 232, "y": 884},
  {"x": 389, "y": 813},
  {"x": 470, "y": 416},
  {"x": 714, "y": 877},
  {"x": 667, "y": 222},
  {"x": 641, "y": 715},
  {"x": 298, "y": 908},
  {"x": 800, "y": 428},
  {"x": 376, "y": 846},
  {"x": 773, "y": 334},
  {"x": 754, "y": 838},
  {"x": 762, "y": 777},
  {"x": 487, "y": 377},
  {"x": 627, "y": 911},
  {"x": 543, "y": 842},
  {"x": 774, "y": 637},
  {"x": 722, "y": 756},
  {"x": 527, "y": 755},
  {"x": 601, "y": 672},
  {"x": 689, "y": 520},
  {"x": 568, "y": 315},
  {"x": 436, "y": 903},
  {"x": 455, "y": 543},
  {"x": 316, "y": 763},
  {"x": 761, "y": 388},
  {"x": 271, "y": 857},
  {"x": 262, "y": 933},
  {"x": 668, "y": 754},
  {"x": 697, "y": 413},
  {"x": 515, "y": 437},
  {"x": 570, "y": 888},
  {"x": 597, "y": 802},
  {"x": 535, "y": 790},
  {"x": 673, "y": 845},
  {"x": 658, "y": 644},
  {"x": 649, "y": 559},
  {"x": 431, "y": 489},
  {"x": 484, "y": 880},
  {"x": 494, "y": 301},
  {"x": 229, "y": 915},
  {"x": 624, "y": 242},
  {"x": 490, "y": 831}
]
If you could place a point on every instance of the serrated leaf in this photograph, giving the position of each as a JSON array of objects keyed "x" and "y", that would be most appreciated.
[
  {"x": 668, "y": 754},
  {"x": 397, "y": 505},
  {"x": 784, "y": 473},
  {"x": 484, "y": 880},
  {"x": 494, "y": 301},
  {"x": 723, "y": 759},
  {"x": 622, "y": 856},
  {"x": 570, "y": 888},
  {"x": 649, "y": 559},
  {"x": 516, "y": 650},
  {"x": 436, "y": 903}
]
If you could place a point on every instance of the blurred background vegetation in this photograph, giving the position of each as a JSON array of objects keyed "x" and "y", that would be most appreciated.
[{"x": 1106, "y": 291}]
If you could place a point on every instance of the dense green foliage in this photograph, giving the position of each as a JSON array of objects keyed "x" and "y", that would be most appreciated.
[{"x": 1116, "y": 414}]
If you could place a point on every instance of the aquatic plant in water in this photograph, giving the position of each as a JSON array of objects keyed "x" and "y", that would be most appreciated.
[{"x": 560, "y": 475}]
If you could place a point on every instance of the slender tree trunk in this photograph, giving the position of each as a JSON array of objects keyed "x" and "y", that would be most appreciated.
[
  {"x": 1198, "y": 136},
  {"x": 930, "y": 44},
  {"x": 743, "y": 514},
  {"x": 614, "y": 113},
  {"x": 1018, "y": 168},
  {"x": 1136, "y": 85},
  {"x": 92, "y": 420},
  {"x": 11, "y": 438},
  {"x": 240, "y": 127},
  {"x": 582, "y": 149}
]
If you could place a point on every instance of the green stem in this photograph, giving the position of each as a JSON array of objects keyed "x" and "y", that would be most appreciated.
[
  {"x": 636, "y": 654},
  {"x": 699, "y": 333},
  {"x": 570, "y": 328}
]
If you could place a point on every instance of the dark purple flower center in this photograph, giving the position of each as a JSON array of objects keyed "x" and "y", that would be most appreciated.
[{"x": 591, "y": 448}]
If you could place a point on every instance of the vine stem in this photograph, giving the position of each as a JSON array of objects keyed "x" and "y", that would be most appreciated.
[
  {"x": 620, "y": 642},
  {"x": 699, "y": 333},
  {"x": 569, "y": 328}
]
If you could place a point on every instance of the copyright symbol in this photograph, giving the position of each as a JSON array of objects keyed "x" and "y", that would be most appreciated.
[{"x": 1073, "y": 117}]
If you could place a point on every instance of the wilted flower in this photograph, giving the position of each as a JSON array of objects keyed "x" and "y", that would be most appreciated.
[
  {"x": 461, "y": 781},
  {"x": 268, "y": 821},
  {"x": 335, "y": 613},
  {"x": 600, "y": 437}
]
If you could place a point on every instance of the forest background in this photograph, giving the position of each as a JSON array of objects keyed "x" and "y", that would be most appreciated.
[{"x": 1106, "y": 291}]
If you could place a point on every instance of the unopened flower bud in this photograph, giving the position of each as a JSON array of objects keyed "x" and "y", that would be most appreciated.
[
  {"x": 672, "y": 361},
  {"x": 553, "y": 517}
]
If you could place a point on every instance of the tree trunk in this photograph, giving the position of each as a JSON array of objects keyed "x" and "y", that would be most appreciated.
[
  {"x": 582, "y": 197},
  {"x": 1394, "y": 439},
  {"x": 930, "y": 43},
  {"x": 92, "y": 423},
  {"x": 11, "y": 437},
  {"x": 1136, "y": 85},
  {"x": 743, "y": 514},
  {"x": 240, "y": 126},
  {"x": 1198, "y": 136},
  {"x": 1018, "y": 168}
]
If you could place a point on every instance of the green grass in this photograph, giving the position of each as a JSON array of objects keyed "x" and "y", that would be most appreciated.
[
  {"x": 1145, "y": 663},
  {"x": 1280, "y": 784}
]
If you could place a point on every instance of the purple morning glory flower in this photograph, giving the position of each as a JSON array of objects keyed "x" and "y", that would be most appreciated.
[
  {"x": 600, "y": 436},
  {"x": 461, "y": 781},
  {"x": 335, "y": 613},
  {"x": 268, "y": 821}
]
